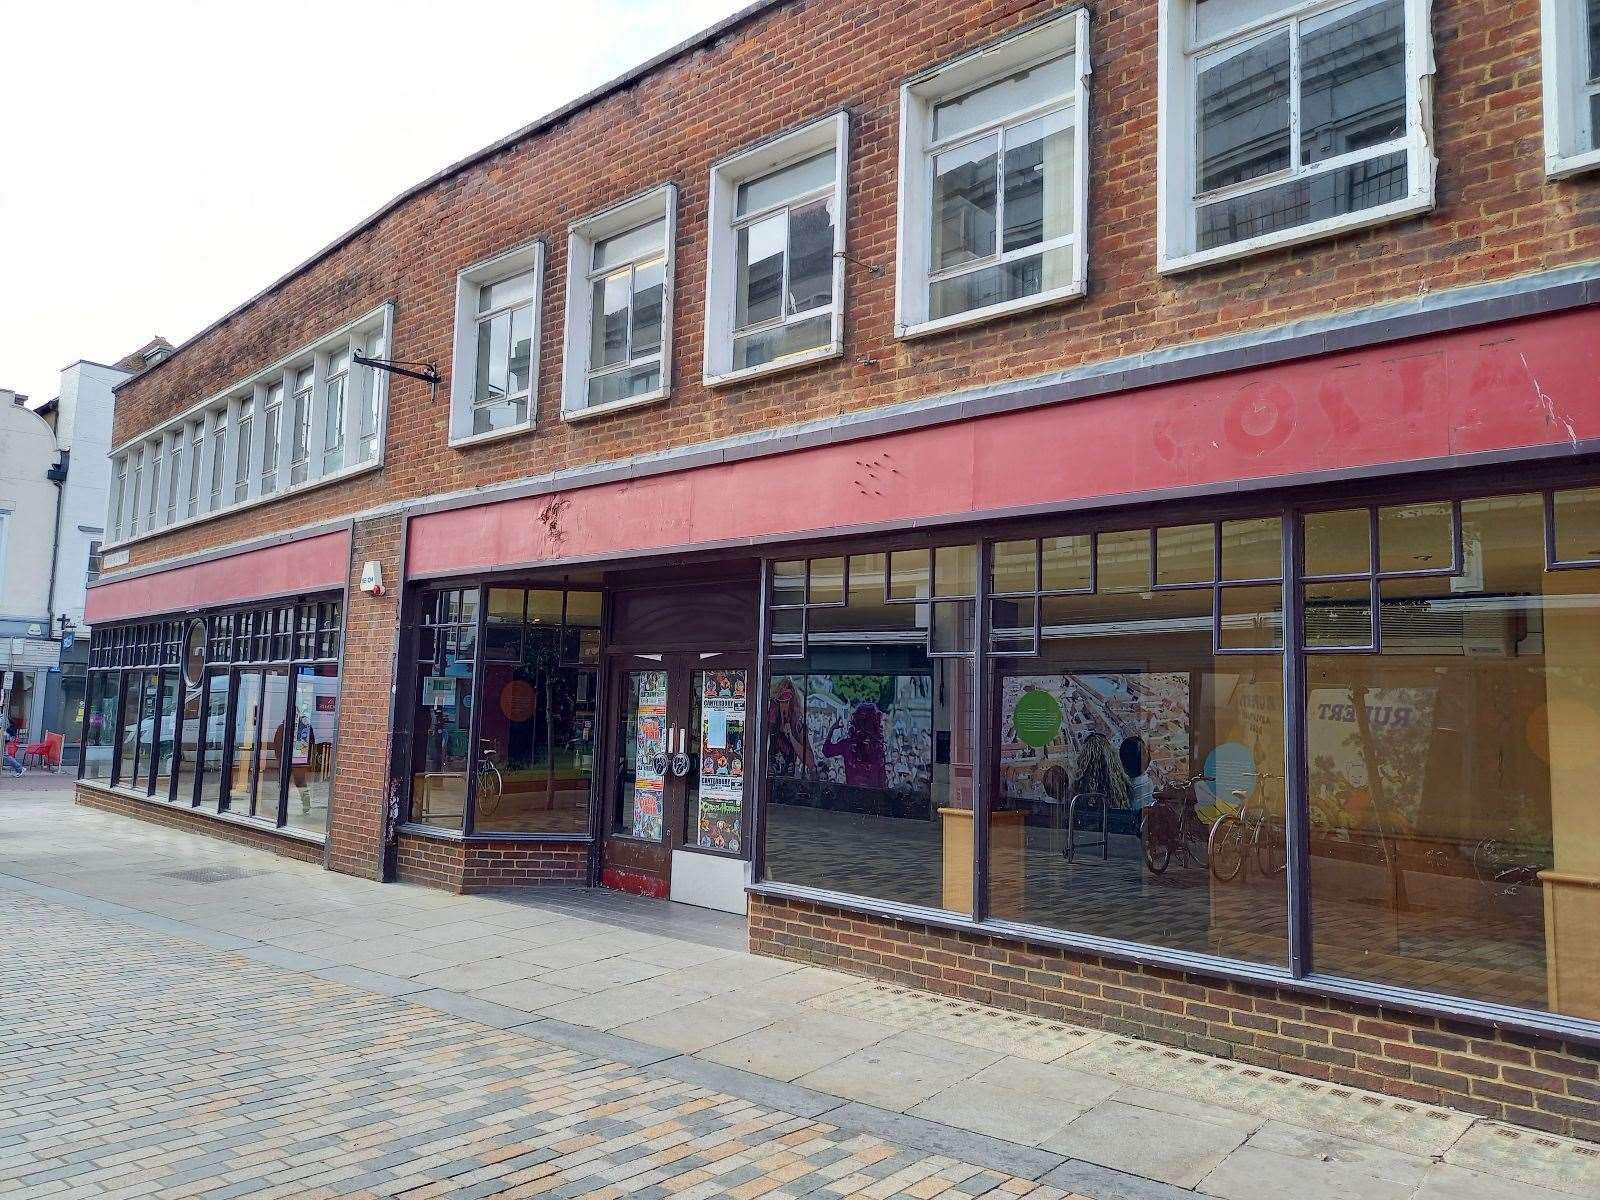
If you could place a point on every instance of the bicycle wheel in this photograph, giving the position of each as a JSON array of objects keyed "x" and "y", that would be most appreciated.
[
  {"x": 1227, "y": 849},
  {"x": 1272, "y": 852},
  {"x": 1157, "y": 835},
  {"x": 490, "y": 785}
]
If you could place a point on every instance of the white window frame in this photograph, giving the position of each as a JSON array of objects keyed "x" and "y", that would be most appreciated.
[
  {"x": 220, "y": 411},
  {"x": 195, "y": 432},
  {"x": 1176, "y": 201},
  {"x": 118, "y": 506},
  {"x": 519, "y": 260},
  {"x": 658, "y": 204},
  {"x": 1068, "y": 33},
  {"x": 272, "y": 414},
  {"x": 775, "y": 154},
  {"x": 1570, "y": 146},
  {"x": 174, "y": 474}
]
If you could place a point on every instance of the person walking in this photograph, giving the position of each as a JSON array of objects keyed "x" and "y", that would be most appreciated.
[{"x": 13, "y": 731}]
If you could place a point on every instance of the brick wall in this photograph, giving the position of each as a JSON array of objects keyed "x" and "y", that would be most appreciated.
[
  {"x": 1497, "y": 217},
  {"x": 478, "y": 866},
  {"x": 194, "y": 820},
  {"x": 1539, "y": 1082}
]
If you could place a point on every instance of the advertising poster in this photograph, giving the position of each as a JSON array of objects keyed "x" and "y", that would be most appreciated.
[
  {"x": 722, "y": 712},
  {"x": 1066, "y": 733},
  {"x": 1343, "y": 752},
  {"x": 862, "y": 730},
  {"x": 650, "y": 747}
]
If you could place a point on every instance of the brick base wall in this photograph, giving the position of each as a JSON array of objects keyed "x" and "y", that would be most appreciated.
[
  {"x": 479, "y": 866},
  {"x": 197, "y": 820},
  {"x": 1544, "y": 1083}
]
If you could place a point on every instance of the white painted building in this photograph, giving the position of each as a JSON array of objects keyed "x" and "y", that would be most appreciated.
[{"x": 28, "y": 649}]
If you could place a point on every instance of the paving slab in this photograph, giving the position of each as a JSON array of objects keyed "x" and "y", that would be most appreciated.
[
  {"x": 1169, "y": 1149},
  {"x": 1529, "y": 1157},
  {"x": 998, "y": 1112},
  {"x": 885, "y": 1077}
]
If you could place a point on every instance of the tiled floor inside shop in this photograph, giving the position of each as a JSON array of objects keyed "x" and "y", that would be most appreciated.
[{"x": 187, "y": 1017}]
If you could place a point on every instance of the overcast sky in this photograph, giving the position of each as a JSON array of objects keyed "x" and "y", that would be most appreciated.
[{"x": 162, "y": 161}]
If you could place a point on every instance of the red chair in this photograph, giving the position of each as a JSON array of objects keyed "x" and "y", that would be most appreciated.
[{"x": 45, "y": 754}]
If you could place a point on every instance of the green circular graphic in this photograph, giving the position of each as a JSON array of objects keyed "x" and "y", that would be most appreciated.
[{"x": 1037, "y": 718}]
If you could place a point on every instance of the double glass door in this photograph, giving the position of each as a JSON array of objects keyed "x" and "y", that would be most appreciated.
[{"x": 677, "y": 810}]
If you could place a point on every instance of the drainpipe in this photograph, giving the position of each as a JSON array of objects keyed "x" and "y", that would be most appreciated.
[{"x": 57, "y": 475}]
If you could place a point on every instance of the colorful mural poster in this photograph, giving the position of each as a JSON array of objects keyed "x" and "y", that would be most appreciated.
[
  {"x": 722, "y": 715},
  {"x": 862, "y": 730},
  {"x": 650, "y": 745}
]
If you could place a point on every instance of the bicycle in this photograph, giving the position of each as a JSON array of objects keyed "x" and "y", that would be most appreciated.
[
  {"x": 1171, "y": 827},
  {"x": 491, "y": 784},
  {"x": 1236, "y": 836}
]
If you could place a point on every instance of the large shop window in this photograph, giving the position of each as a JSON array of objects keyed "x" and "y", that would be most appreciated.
[
  {"x": 1140, "y": 700},
  {"x": 870, "y": 723},
  {"x": 1453, "y": 740},
  {"x": 503, "y": 732},
  {"x": 1286, "y": 121},
  {"x": 233, "y": 712}
]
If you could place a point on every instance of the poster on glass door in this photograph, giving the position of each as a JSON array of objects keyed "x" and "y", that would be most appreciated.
[
  {"x": 650, "y": 747},
  {"x": 722, "y": 746}
]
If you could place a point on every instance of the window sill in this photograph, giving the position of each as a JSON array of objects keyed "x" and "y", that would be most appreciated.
[
  {"x": 1564, "y": 166},
  {"x": 229, "y": 510},
  {"x": 1399, "y": 210},
  {"x": 469, "y": 440},
  {"x": 578, "y": 415},
  {"x": 793, "y": 362},
  {"x": 921, "y": 329},
  {"x": 225, "y": 818}
]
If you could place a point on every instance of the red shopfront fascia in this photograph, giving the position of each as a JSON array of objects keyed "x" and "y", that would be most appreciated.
[
  {"x": 314, "y": 564},
  {"x": 1502, "y": 388}
]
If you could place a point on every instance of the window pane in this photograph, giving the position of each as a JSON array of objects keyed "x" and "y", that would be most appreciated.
[
  {"x": 1096, "y": 827},
  {"x": 964, "y": 204},
  {"x": 539, "y": 719},
  {"x": 1185, "y": 554},
  {"x": 310, "y": 752},
  {"x": 826, "y": 585},
  {"x": 714, "y": 788},
  {"x": 214, "y": 730},
  {"x": 640, "y": 786},
  {"x": 1064, "y": 562},
  {"x": 1252, "y": 549},
  {"x": 637, "y": 243},
  {"x": 1015, "y": 280},
  {"x": 757, "y": 349},
  {"x": 521, "y": 353},
  {"x": 441, "y": 727},
  {"x": 869, "y": 778},
  {"x": 1334, "y": 193},
  {"x": 955, "y": 571},
  {"x": 1352, "y": 79},
  {"x": 1039, "y": 181},
  {"x": 333, "y": 425},
  {"x": 1338, "y": 614},
  {"x": 620, "y": 385},
  {"x": 149, "y": 732},
  {"x": 789, "y": 582},
  {"x": 271, "y": 434},
  {"x": 1242, "y": 105},
  {"x": 494, "y": 344},
  {"x": 811, "y": 256},
  {"x": 277, "y": 739},
  {"x": 1451, "y": 779},
  {"x": 1251, "y": 618},
  {"x": 647, "y": 284},
  {"x": 1123, "y": 561},
  {"x": 609, "y": 337},
  {"x": 1416, "y": 537},
  {"x": 759, "y": 263},
  {"x": 1338, "y": 543},
  {"x": 505, "y": 293},
  {"x": 1577, "y": 522},
  {"x": 166, "y": 734},
  {"x": 100, "y": 726},
  {"x": 990, "y": 103},
  {"x": 787, "y": 183},
  {"x": 246, "y": 727},
  {"x": 1013, "y": 567}
]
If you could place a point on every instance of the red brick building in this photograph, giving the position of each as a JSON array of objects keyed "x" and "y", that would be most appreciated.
[{"x": 1093, "y": 511}]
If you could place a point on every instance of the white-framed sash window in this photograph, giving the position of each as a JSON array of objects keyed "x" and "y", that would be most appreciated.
[
  {"x": 993, "y": 180},
  {"x": 300, "y": 433},
  {"x": 619, "y": 306},
  {"x": 1571, "y": 65},
  {"x": 271, "y": 436},
  {"x": 335, "y": 392},
  {"x": 495, "y": 380},
  {"x": 1282, "y": 122},
  {"x": 775, "y": 268}
]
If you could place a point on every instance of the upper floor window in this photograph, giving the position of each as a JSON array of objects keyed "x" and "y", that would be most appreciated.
[
  {"x": 1571, "y": 85},
  {"x": 775, "y": 279},
  {"x": 315, "y": 415},
  {"x": 1281, "y": 122},
  {"x": 619, "y": 306},
  {"x": 496, "y": 372},
  {"x": 993, "y": 170},
  {"x": 92, "y": 572}
]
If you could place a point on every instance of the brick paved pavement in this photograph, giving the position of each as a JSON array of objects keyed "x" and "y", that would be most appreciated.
[
  {"x": 133, "y": 1063},
  {"x": 183, "y": 1017}
]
